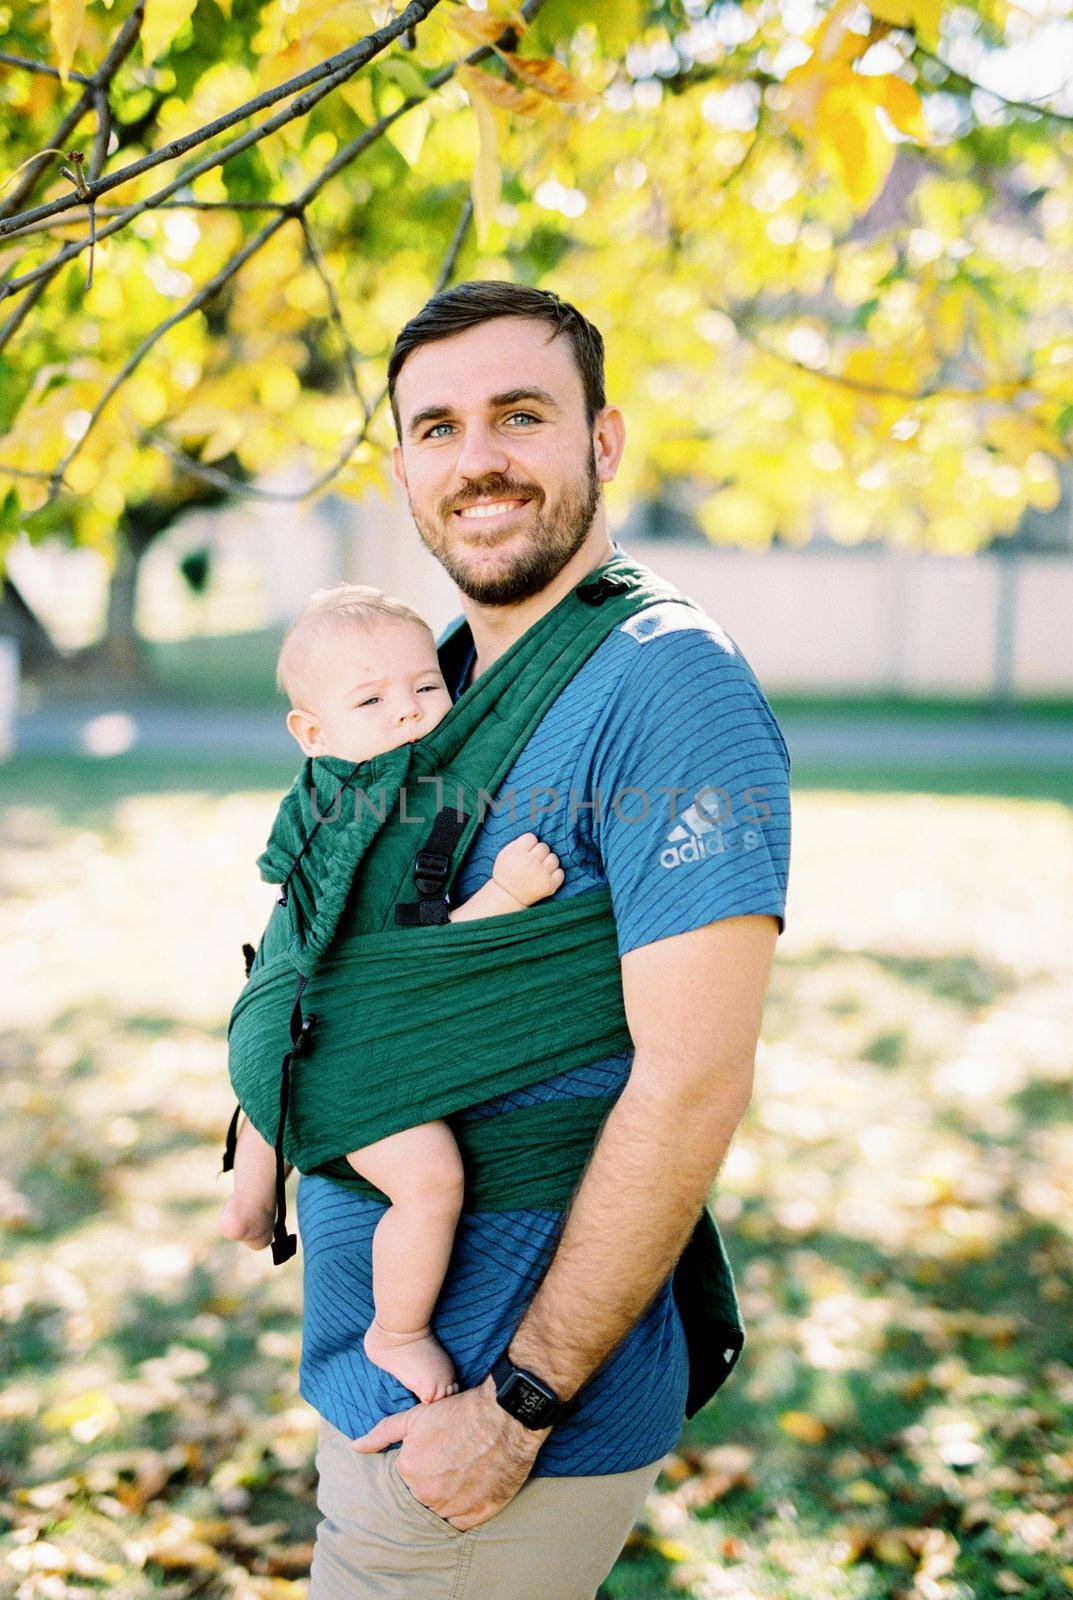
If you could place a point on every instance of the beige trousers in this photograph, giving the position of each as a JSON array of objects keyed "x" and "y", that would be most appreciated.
[{"x": 556, "y": 1540}]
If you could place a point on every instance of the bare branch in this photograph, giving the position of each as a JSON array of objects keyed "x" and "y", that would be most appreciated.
[
  {"x": 120, "y": 49},
  {"x": 335, "y": 312},
  {"x": 327, "y": 74},
  {"x": 223, "y": 480},
  {"x": 928, "y": 391},
  {"x": 42, "y": 67},
  {"x": 80, "y": 219},
  {"x": 295, "y": 208},
  {"x": 967, "y": 85}
]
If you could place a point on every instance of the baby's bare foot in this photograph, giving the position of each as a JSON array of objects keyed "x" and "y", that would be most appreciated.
[
  {"x": 246, "y": 1222},
  {"x": 417, "y": 1359},
  {"x": 528, "y": 869}
]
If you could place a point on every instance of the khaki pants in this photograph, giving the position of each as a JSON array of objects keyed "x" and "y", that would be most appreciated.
[{"x": 556, "y": 1540}]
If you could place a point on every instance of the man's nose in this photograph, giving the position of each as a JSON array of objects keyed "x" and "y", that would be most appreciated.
[{"x": 482, "y": 453}]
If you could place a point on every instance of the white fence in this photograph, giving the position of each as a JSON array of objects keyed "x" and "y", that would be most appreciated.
[
  {"x": 9, "y": 693},
  {"x": 855, "y": 620},
  {"x": 826, "y": 620}
]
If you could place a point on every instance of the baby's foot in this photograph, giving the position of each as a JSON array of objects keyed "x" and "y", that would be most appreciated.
[
  {"x": 528, "y": 869},
  {"x": 247, "y": 1222},
  {"x": 417, "y": 1359}
]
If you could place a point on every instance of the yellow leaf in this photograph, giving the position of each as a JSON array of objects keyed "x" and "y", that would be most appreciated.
[
  {"x": 883, "y": 370},
  {"x": 163, "y": 19},
  {"x": 408, "y": 133},
  {"x": 807, "y": 85},
  {"x": 803, "y": 1427},
  {"x": 547, "y": 75},
  {"x": 65, "y": 24},
  {"x": 358, "y": 94},
  {"x": 901, "y": 101},
  {"x": 487, "y": 181},
  {"x": 920, "y": 15},
  {"x": 485, "y": 29},
  {"x": 673, "y": 1550},
  {"x": 501, "y": 93},
  {"x": 223, "y": 440},
  {"x": 84, "y": 1415},
  {"x": 1017, "y": 437},
  {"x": 852, "y": 144},
  {"x": 307, "y": 16},
  {"x": 948, "y": 322}
]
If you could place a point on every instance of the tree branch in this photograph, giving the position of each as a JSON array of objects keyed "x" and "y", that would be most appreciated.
[
  {"x": 328, "y": 74},
  {"x": 220, "y": 479},
  {"x": 969, "y": 85},
  {"x": 295, "y": 208},
  {"x": 122, "y": 45}
]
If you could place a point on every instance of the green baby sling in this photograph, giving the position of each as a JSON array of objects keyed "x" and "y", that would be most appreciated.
[{"x": 365, "y": 1011}]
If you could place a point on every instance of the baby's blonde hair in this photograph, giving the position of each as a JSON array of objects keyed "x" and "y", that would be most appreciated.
[{"x": 358, "y": 604}]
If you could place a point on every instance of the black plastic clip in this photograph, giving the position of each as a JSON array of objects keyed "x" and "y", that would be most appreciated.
[
  {"x": 597, "y": 590},
  {"x": 430, "y": 871}
]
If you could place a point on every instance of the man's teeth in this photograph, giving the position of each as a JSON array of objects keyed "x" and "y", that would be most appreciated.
[{"x": 491, "y": 510}]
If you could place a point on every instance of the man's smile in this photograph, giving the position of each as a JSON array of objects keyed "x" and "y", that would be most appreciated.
[{"x": 490, "y": 510}]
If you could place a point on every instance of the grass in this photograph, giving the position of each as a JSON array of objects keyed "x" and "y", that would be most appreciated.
[{"x": 897, "y": 1206}]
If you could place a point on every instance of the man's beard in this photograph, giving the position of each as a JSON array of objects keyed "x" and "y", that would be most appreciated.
[{"x": 558, "y": 533}]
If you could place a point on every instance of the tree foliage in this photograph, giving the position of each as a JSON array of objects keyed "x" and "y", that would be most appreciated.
[{"x": 828, "y": 262}]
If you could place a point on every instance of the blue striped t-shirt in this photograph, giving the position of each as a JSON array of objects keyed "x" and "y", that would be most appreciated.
[{"x": 661, "y": 773}]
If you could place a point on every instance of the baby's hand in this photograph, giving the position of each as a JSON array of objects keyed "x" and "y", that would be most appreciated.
[{"x": 527, "y": 869}]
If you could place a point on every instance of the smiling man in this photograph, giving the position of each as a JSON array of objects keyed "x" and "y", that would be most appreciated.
[{"x": 563, "y": 1329}]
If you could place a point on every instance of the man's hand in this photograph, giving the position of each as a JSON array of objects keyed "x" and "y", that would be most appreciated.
[{"x": 464, "y": 1456}]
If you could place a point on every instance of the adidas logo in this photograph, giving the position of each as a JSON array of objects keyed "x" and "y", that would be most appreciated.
[{"x": 695, "y": 837}]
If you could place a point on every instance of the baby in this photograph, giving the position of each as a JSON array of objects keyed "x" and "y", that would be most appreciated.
[{"x": 361, "y": 673}]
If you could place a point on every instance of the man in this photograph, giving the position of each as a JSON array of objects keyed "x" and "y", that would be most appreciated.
[{"x": 661, "y": 773}]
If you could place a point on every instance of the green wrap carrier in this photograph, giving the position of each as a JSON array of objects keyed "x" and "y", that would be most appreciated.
[{"x": 366, "y": 1011}]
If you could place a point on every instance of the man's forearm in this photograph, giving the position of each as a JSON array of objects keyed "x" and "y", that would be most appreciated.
[{"x": 635, "y": 1208}]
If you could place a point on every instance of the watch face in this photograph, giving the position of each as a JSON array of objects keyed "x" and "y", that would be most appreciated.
[{"x": 524, "y": 1400}]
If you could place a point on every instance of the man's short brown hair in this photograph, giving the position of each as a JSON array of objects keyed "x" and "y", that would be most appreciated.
[{"x": 469, "y": 304}]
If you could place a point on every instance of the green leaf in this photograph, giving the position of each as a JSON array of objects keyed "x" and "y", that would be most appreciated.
[
  {"x": 406, "y": 75},
  {"x": 11, "y": 512}
]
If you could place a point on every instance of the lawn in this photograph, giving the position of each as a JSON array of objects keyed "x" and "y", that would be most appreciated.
[{"x": 897, "y": 1206}]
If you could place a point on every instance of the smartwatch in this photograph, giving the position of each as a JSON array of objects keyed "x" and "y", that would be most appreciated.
[{"x": 527, "y": 1398}]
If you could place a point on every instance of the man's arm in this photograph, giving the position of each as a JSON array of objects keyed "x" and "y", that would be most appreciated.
[{"x": 694, "y": 1004}]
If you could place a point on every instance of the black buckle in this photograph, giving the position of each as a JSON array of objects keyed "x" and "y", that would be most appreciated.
[
  {"x": 430, "y": 871},
  {"x": 597, "y": 590}
]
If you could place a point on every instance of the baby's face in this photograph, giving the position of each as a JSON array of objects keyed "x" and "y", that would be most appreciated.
[{"x": 369, "y": 689}]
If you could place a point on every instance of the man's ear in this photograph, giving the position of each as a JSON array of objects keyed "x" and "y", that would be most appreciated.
[
  {"x": 306, "y": 729},
  {"x": 397, "y": 470},
  {"x": 608, "y": 442}
]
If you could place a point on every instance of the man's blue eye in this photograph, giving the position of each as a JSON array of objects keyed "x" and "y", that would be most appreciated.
[{"x": 528, "y": 414}]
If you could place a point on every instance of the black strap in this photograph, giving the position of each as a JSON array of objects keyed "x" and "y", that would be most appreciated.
[
  {"x": 231, "y": 1140},
  {"x": 231, "y": 1137},
  {"x": 285, "y": 1244},
  {"x": 432, "y": 868}
]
